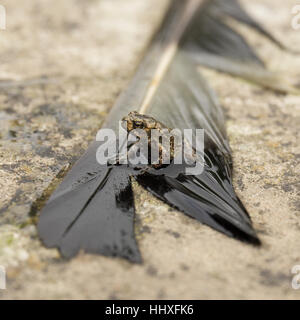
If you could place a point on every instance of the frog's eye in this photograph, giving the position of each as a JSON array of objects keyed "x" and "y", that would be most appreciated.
[{"x": 139, "y": 123}]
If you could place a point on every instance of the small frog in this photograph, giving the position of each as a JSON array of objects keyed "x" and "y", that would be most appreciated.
[
  {"x": 169, "y": 151},
  {"x": 135, "y": 120}
]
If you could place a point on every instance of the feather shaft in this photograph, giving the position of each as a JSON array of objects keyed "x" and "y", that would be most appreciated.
[{"x": 169, "y": 52}]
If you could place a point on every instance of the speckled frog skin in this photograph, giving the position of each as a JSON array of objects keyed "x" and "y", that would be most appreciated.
[{"x": 136, "y": 120}]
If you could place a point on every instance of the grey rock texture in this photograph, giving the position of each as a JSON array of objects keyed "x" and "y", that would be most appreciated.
[{"x": 62, "y": 68}]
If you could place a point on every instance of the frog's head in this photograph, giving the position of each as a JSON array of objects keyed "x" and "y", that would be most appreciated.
[{"x": 136, "y": 120}]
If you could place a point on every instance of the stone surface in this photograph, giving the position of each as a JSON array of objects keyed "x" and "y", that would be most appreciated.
[{"x": 62, "y": 68}]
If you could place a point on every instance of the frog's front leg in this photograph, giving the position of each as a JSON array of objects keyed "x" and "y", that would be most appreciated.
[
  {"x": 137, "y": 156},
  {"x": 119, "y": 158}
]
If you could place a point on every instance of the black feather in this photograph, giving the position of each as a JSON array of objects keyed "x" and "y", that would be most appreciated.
[{"x": 93, "y": 208}]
